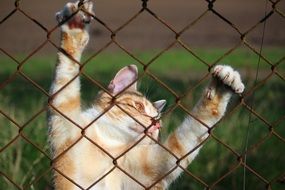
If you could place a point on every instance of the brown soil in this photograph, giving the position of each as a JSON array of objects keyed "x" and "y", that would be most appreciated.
[{"x": 20, "y": 35}]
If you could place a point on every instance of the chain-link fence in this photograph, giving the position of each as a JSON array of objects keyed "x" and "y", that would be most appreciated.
[{"x": 240, "y": 169}]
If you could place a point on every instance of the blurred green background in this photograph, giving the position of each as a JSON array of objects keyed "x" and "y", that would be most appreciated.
[{"x": 209, "y": 39}]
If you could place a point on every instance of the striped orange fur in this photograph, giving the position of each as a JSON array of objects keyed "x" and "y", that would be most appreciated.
[{"x": 117, "y": 119}]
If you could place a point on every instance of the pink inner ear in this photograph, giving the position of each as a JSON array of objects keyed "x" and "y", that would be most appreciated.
[
  {"x": 124, "y": 78},
  {"x": 159, "y": 105}
]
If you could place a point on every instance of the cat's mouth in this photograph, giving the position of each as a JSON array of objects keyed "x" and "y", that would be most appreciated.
[
  {"x": 150, "y": 130},
  {"x": 156, "y": 126}
]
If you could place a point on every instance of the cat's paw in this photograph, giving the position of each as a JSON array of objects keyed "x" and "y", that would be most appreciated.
[
  {"x": 76, "y": 16},
  {"x": 229, "y": 77}
]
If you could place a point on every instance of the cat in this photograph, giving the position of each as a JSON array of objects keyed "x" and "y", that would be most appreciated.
[{"x": 87, "y": 144}]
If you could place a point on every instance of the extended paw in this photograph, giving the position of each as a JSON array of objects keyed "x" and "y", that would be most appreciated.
[
  {"x": 76, "y": 15},
  {"x": 229, "y": 77}
]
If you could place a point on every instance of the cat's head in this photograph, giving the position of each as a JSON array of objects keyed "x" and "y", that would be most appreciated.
[
  {"x": 74, "y": 20},
  {"x": 132, "y": 114}
]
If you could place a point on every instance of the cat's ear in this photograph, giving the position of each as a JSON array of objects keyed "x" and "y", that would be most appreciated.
[
  {"x": 124, "y": 78},
  {"x": 159, "y": 105}
]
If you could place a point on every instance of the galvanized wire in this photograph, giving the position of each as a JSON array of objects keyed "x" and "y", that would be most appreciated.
[{"x": 240, "y": 158}]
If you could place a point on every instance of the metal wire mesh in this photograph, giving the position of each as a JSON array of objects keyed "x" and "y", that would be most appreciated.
[{"x": 240, "y": 157}]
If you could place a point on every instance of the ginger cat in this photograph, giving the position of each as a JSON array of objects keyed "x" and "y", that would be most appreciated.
[{"x": 129, "y": 116}]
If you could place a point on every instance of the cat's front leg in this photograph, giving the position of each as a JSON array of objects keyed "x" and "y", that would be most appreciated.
[
  {"x": 189, "y": 137},
  {"x": 74, "y": 24},
  {"x": 224, "y": 83},
  {"x": 224, "y": 78},
  {"x": 65, "y": 116},
  {"x": 213, "y": 103},
  {"x": 74, "y": 20},
  {"x": 65, "y": 101}
]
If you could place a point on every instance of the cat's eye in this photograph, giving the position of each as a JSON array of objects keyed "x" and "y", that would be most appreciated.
[{"x": 139, "y": 106}]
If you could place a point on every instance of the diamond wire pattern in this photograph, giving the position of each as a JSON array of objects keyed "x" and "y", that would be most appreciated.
[{"x": 177, "y": 40}]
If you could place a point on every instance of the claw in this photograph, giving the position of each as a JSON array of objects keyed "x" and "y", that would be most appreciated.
[
  {"x": 82, "y": 17},
  {"x": 208, "y": 94},
  {"x": 217, "y": 70},
  {"x": 226, "y": 76},
  {"x": 229, "y": 77}
]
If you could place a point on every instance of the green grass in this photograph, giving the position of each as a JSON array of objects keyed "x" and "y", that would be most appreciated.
[
  {"x": 178, "y": 69},
  {"x": 177, "y": 60}
]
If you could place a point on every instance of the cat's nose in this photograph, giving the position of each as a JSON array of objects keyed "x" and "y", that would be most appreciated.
[{"x": 157, "y": 125}]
